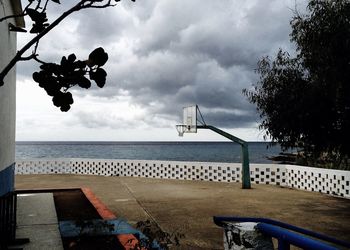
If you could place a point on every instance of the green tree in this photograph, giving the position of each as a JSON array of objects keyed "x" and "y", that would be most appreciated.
[{"x": 304, "y": 101}]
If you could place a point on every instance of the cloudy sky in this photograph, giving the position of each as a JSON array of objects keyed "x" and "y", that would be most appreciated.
[{"x": 163, "y": 55}]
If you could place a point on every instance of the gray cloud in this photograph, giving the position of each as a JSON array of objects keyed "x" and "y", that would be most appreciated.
[
  {"x": 230, "y": 118},
  {"x": 231, "y": 32},
  {"x": 168, "y": 54},
  {"x": 98, "y": 120}
]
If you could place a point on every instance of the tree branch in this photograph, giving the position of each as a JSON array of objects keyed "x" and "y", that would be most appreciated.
[
  {"x": 19, "y": 53},
  {"x": 44, "y": 9},
  {"x": 90, "y": 4},
  {"x": 11, "y": 16},
  {"x": 27, "y": 58},
  {"x": 83, "y": 4},
  {"x": 38, "y": 5},
  {"x": 35, "y": 57}
]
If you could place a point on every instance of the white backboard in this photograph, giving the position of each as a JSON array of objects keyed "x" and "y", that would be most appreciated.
[{"x": 190, "y": 119}]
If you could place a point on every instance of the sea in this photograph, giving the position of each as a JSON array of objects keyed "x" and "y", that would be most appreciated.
[{"x": 259, "y": 152}]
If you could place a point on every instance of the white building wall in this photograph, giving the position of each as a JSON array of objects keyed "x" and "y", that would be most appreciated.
[{"x": 7, "y": 101}]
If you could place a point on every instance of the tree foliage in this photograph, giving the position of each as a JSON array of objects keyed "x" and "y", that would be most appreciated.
[
  {"x": 304, "y": 101},
  {"x": 56, "y": 79}
]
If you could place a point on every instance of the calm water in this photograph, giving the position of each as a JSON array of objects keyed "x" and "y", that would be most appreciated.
[{"x": 173, "y": 151}]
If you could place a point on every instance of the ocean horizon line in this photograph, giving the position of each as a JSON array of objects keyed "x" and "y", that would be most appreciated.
[{"x": 97, "y": 141}]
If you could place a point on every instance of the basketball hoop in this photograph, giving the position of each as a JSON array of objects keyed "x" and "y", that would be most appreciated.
[
  {"x": 181, "y": 129},
  {"x": 189, "y": 121},
  {"x": 190, "y": 125}
]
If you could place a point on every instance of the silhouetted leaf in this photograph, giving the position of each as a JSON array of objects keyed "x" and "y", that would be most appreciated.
[
  {"x": 56, "y": 1},
  {"x": 57, "y": 100},
  {"x": 33, "y": 14},
  {"x": 63, "y": 100},
  {"x": 64, "y": 61},
  {"x": 38, "y": 27},
  {"x": 39, "y": 19},
  {"x": 79, "y": 64},
  {"x": 51, "y": 87},
  {"x": 72, "y": 58},
  {"x": 56, "y": 78},
  {"x": 50, "y": 67},
  {"x": 36, "y": 16},
  {"x": 68, "y": 97},
  {"x": 97, "y": 57},
  {"x": 99, "y": 76},
  {"x": 65, "y": 108},
  {"x": 83, "y": 82},
  {"x": 37, "y": 77}
]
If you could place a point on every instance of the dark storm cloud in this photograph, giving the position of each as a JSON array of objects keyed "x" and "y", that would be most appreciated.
[
  {"x": 172, "y": 81},
  {"x": 231, "y": 32},
  {"x": 202, "y": 52},
  {"x": 103, "y": 27},
  {"x": 168, "y": 54},
  {"x": 229, "y": 118}
]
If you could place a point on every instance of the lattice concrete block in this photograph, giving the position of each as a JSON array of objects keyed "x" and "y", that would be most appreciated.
[
  {"x": 334, "y": 182},
  {"x": 329, "y": 181}
]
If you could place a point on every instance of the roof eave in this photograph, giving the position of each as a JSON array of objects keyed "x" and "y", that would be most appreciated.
[{"x": 17, "y": 9}]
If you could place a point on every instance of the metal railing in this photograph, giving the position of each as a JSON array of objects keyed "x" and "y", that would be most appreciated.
[
  {"x": 287, "y": 234},
  {"x": 8, "y": 204}
]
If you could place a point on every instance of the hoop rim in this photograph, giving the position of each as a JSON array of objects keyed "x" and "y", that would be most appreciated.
[{"x": 181, "y": 128}]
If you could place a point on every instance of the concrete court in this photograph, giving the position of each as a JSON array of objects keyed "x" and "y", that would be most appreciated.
[
  {"x": 188, "y": 206},
  {"x": 37, "y": 220}
]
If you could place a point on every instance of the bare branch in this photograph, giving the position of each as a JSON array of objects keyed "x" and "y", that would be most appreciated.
[
  {"x": 27, "y": 58},
  {"x": 90, "y": 4},
  {"x": 35, "y": 57},
  {"x": 47, "y": 1},
  {"x": 101, "y": 6},
  {"x": 38, "y": 5},
  {"x": 11, "y": 16},
  {"x": 19, "y": 54}
]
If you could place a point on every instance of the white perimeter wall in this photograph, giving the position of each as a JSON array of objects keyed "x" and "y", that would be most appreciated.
[
  {"x": 328, "y": 181},
  {"x": 7, "y": 97}
]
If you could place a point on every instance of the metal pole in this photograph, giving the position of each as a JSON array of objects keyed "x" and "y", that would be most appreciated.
[
  {"x": 245, "y": 167},
  {"x": 245, "y": 153}
]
